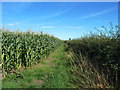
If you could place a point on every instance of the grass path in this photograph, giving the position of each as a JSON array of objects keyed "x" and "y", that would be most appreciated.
[{"x": 50, "y": 73}]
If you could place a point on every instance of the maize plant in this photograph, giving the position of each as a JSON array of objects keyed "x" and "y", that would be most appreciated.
[{"x": 24, "y": 49}]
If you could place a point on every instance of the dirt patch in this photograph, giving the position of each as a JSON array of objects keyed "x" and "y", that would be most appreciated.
[
  {"x": 1, "y": 76},
  {"x": 40, "y": 82},
  {"x": 49, "y": 61},
  {"x": 37, "y": 65}
]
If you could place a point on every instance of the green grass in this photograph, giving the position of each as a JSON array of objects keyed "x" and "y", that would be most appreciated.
[
  {"x": 45, "y": 75},
  {"x": 53, "y": 61},
  {"x": 0, "y": 84}
]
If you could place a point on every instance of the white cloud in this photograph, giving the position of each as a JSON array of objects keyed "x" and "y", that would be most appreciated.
[
  {"x": 58, "y": 13},
  {"x": 47, "y": 27},
  {"x": 51, "y": 15},
  {"x": 76, "y": 27},
  {"x": 10, "y": 24},
  {"x": 97, "y": 13}
]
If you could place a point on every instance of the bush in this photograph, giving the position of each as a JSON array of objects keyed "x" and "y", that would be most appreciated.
[{"x": 103, "y": 51}]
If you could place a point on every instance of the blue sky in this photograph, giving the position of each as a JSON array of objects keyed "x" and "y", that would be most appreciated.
[{"x": 62, "y": 19}]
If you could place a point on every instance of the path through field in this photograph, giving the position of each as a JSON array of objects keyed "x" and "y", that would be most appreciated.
[{"x": 50, "y": 73}]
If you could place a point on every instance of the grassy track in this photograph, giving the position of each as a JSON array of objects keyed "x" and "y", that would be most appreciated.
[{"x": 50, "y": 73}]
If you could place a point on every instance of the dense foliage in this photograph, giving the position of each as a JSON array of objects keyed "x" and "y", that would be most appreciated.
[
  {"x": 103, "y": 51},
  {"x": 25, "y": 48}
]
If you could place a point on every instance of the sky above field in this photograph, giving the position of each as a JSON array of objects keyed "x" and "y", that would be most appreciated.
[{"x": 62, "y": 19}]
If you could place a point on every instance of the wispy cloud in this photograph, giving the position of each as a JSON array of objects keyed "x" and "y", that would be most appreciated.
[
  {"x": 97, "y": 13},
  {"x": 46, "y": 16},
  {"x": 58, "y": 13},
  {"x": 11, "y": 24},
  {"x": 51, "y": 15},
  {"x": 76, "y": 27},
  {"x": 48, "y": 27}
]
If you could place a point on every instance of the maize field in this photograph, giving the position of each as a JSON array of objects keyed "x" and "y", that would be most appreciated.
[{"x": 25, "y": 49}]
